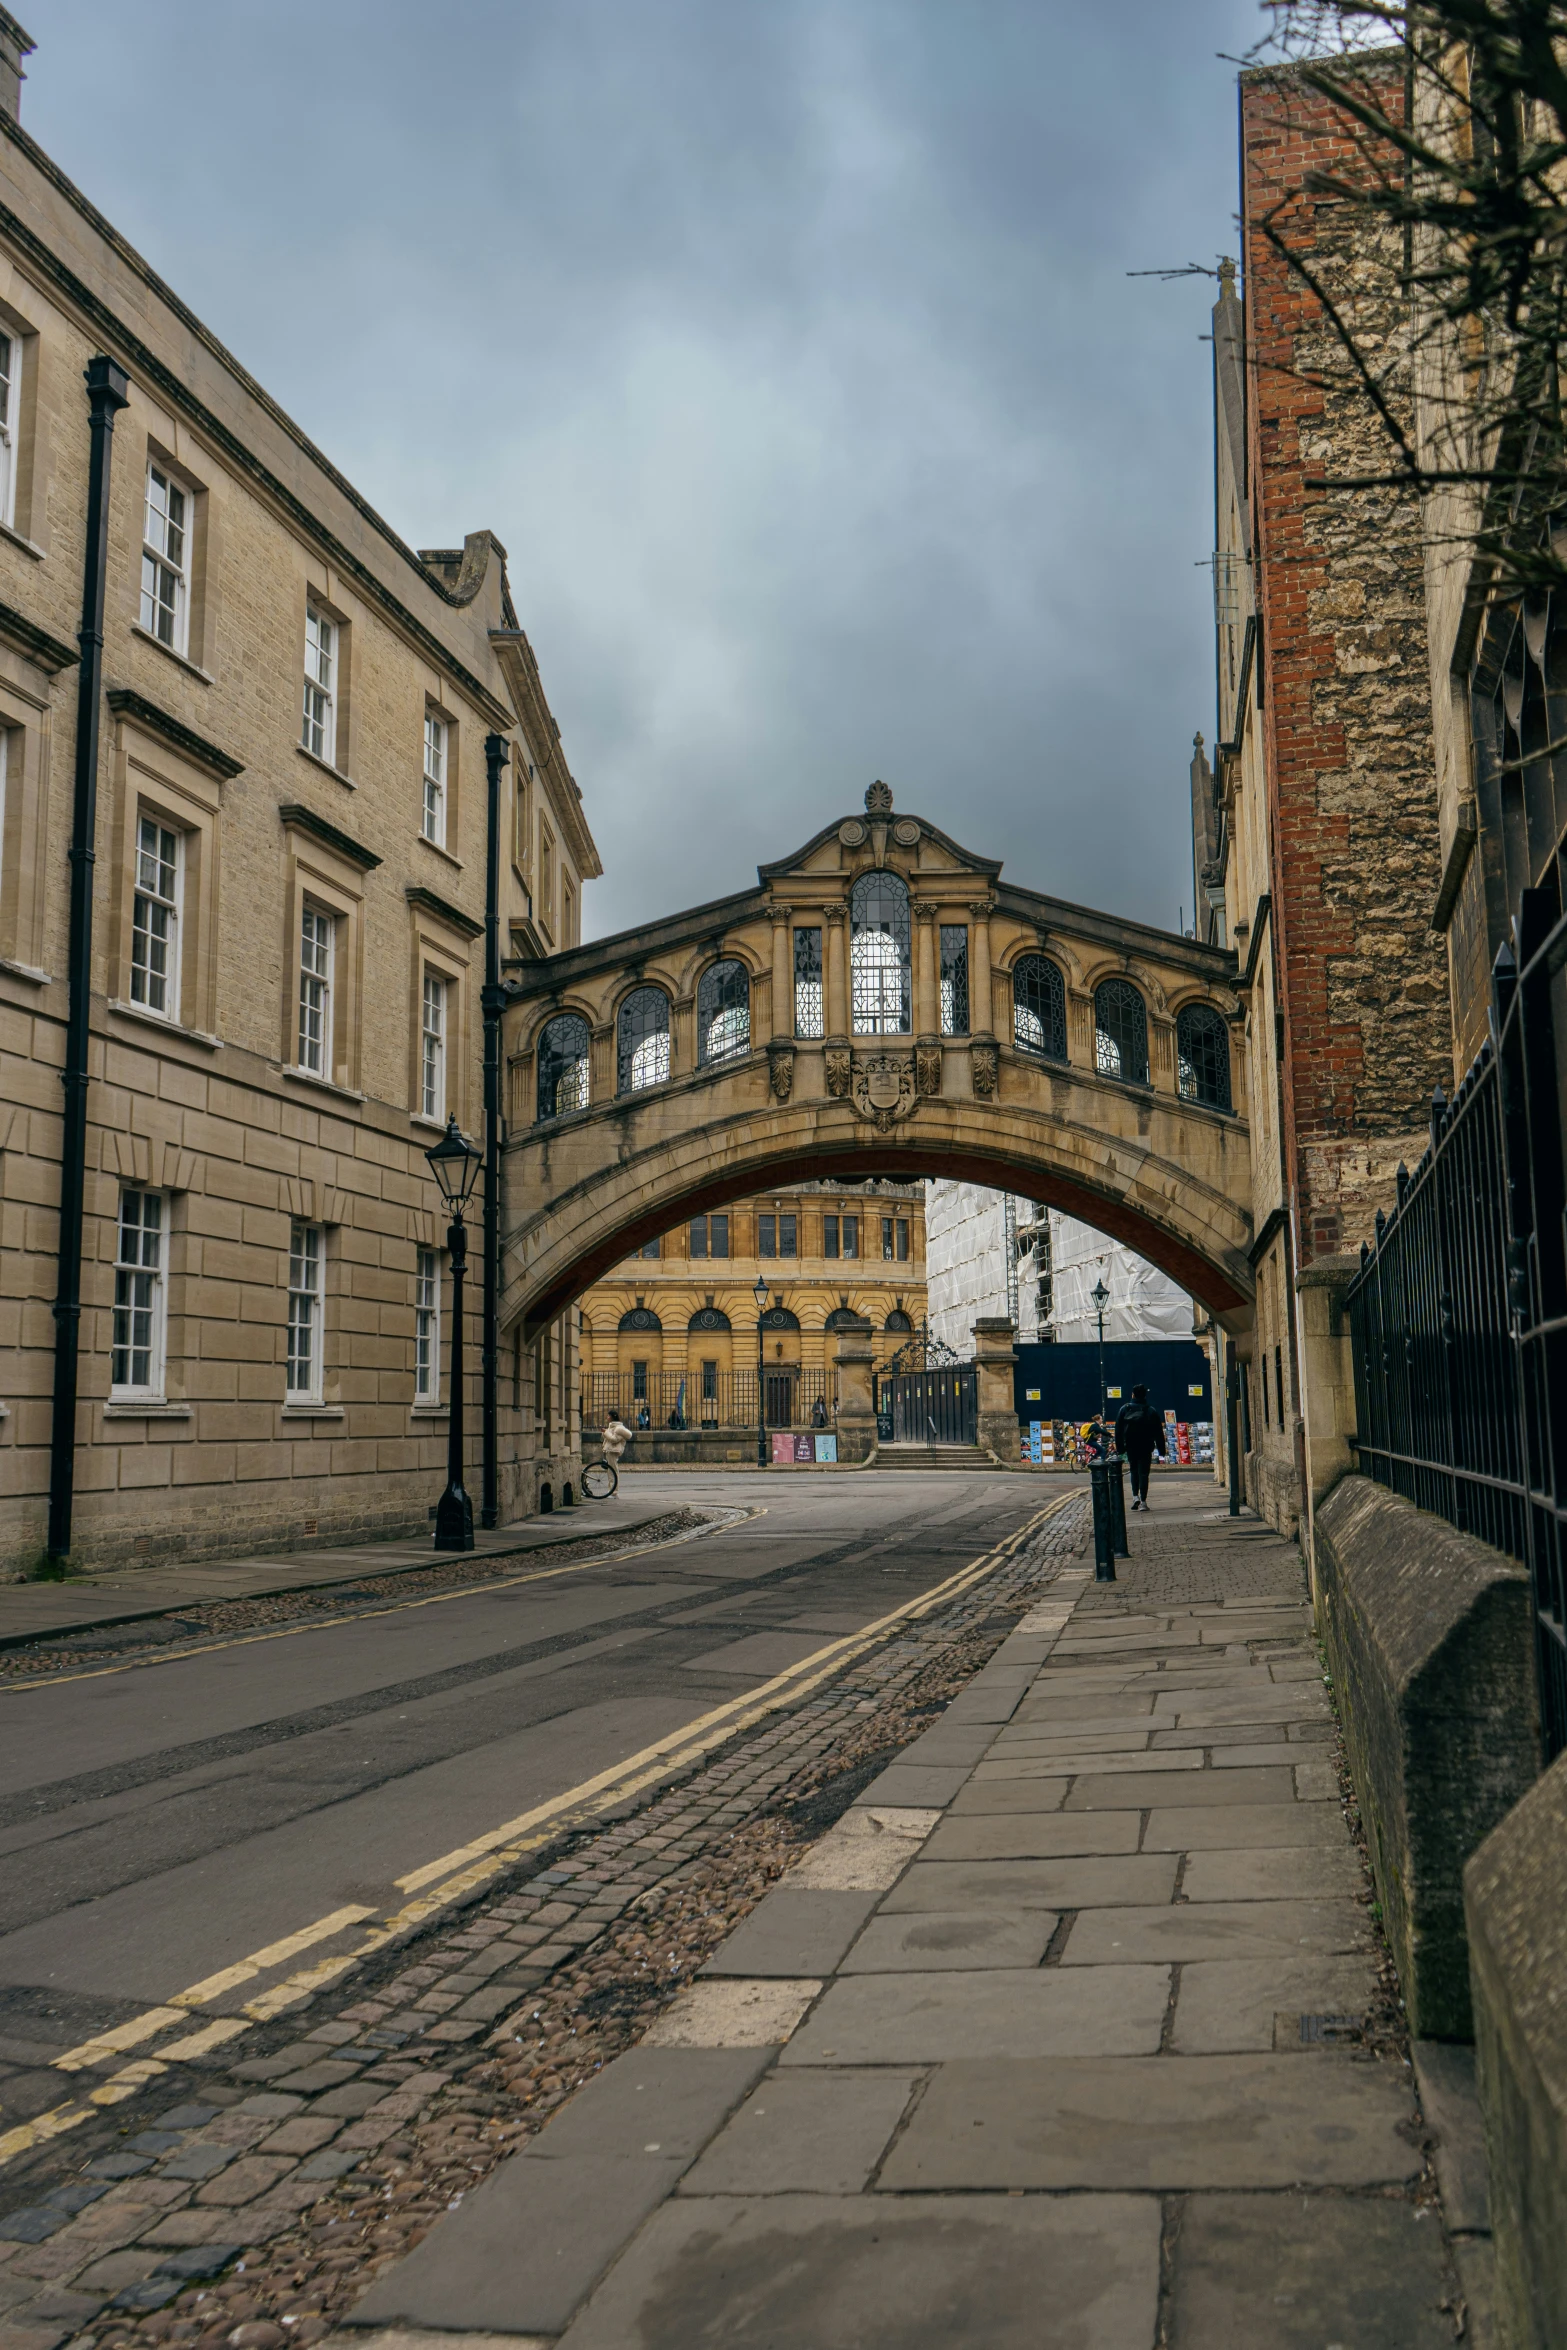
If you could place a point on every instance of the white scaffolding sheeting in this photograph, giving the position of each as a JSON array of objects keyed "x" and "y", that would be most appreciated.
[{"x": 972, "y": 1266}]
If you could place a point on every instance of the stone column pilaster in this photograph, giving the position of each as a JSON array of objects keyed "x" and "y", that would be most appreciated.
[
  {"x": 993, "y": 1359},
  {"x": 927, "y": 975},
  {"x": 982, "y": 1009},
  {"x": 782, "y": 1028},
  {"x": 837, "y": 922},
  {"x": 856, "y": 1406}
]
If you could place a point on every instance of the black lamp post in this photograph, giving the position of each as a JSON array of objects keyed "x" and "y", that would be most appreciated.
[
  {"x": 455, "y": 1163},
  {"x": 760, "y": 1295},
  {"x": 1101, "y": 1298}
]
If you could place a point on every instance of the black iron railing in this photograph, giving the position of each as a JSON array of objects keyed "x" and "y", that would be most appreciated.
[
  {"x": 1459, "y": 1311},
  {"x": 792, "y": 1397}
]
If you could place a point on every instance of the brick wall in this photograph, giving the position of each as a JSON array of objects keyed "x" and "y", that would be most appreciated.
[{"x": 1352, "y": 795}]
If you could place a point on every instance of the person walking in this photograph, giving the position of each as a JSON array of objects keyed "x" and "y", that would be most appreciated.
[
  {"x": 1139, "y": 1433},
  {"x": 616, "y": 1438}
]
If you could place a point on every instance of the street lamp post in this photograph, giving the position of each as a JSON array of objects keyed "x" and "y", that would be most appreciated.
[
  {"x": 760, "y": 1295},
  {"x": 1101, "y": 1298},
  {"x": 455, "y": 1163}
]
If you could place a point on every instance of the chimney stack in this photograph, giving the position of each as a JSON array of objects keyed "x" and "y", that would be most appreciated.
[{"x": 15, "y": 44}]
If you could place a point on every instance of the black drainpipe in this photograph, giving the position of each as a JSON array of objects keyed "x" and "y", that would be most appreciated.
[
  {"x": 107, "y": 392},
  {"x": 493, "y": 1002}
]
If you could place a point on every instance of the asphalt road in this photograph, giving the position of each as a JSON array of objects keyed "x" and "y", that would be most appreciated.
[{"x": 161, "y": 1822}]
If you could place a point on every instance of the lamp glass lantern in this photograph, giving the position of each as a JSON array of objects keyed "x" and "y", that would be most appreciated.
[{"x": 455, "y": 1163}]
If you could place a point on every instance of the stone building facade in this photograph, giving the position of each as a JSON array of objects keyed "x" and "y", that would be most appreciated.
[
  {"x": 287, "y": 950},
  {"x": 1315, "y": 851},
  {"x": 669, "y": 1339}
]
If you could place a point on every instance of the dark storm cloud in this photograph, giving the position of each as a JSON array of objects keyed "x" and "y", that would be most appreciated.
[{"x": 788, "y": 347}]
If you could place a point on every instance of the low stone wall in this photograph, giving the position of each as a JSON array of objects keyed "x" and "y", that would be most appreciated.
[
  {"x": 1429, "y": 1640},
  {"x": 1515, "y": 1900}
]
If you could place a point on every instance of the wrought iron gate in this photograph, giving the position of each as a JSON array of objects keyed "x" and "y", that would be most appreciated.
[{"x": 933, "y": 1407}]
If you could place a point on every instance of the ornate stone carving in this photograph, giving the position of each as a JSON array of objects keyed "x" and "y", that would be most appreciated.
[
  {"x": 927, "y": 1068},
  {"x": 906, "y": 832},
  {"x": 852, "y": 833},
  {"x": 840, "y": 1069},
  {"x": 780, "y": 1070},
  {"x": 878, "y": 799},
  {"x": 981, "y": 911},
  {"x": 925, "y": 909},
  {"x": 777, "y": 914},
  {"x": 884, "y": 1089},
  {"x": 985, "y": 1066},
  {"x": 837, "y": 914}
]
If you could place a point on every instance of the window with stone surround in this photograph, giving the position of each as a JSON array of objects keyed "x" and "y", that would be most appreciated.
[
  {"x": 432, "y": 1048},
  {"x": 165, "y": 558},
  {"x": 137, "y": 1365},
  {"x": 155, "y": 918},
  {"x": 306, "y": 1270},
  {"x": 317, "y": 958},
  {"x": 318, "y": 729},
  {"x": 10, "y": 412},
  {"x": 433, "y": 817},
  {"x": 427, "y": 1326}
]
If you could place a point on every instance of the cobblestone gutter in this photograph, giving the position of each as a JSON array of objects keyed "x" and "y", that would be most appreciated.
[{"x": 249, "y": 2205}]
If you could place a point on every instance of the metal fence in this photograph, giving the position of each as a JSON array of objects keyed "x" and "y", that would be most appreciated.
[
  {"x": 792, "y": 1397},
  {"x": 1459, "y": 1312}
]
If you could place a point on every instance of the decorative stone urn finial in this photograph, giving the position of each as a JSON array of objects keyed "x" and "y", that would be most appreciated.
[{"x": 878, "y": 800}]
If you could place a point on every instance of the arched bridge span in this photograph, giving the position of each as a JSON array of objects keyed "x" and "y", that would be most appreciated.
[{"x": 880, "y": 1003}]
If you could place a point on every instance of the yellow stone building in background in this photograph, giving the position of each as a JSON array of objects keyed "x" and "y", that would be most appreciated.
[{"x": 669, "y": 1340}]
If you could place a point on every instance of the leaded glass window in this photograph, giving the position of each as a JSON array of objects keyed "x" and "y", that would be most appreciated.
[
  {"x": 1039, "y": 1008},
  {"x": 563, "y": 1065},
  {"x": 1120, "y": 1032},
  {"x": 643, "y": 1039},
  {"x": 808, "y": 982},
  {"x": 1202, "y": 1055},
  {"x": 879, "y": 962},
  {"x": 954, "y": 979},
  {"x": 723, "y": 1012}
]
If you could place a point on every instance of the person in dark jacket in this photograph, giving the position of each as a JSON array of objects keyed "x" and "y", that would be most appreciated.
[{"x": 1139, "y": 1433}]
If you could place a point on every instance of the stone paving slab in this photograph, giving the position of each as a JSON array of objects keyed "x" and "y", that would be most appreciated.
[
  {"x": 1113, "y": 1791},
  {"x": 925, "y": 1941},
  {"x": 818, "y": 2133},
  {"x": 1028, "y": 1882},
  {"x": 1229, "y": 2004},
  {"x": 995, "y": 1798},
  {"x": 855, "y": 2272},
  {"x": 1039, "y": 1835},
  {"x": 794, "y": 1930},
  {"x": 665, "y": 2101},
  {"x": 1246, "y": 2275},
  {"x": 1159, "y": 2123},
  {"x": 1188, "y": 1829},
  {"x": 1264, "y": 1874},
  {"x": 927, "y": 1788},
  {"x": 927, "y": 2019},
  {"x": 1218, "y": 1930},
  {"x": 524, "y": 2250}
]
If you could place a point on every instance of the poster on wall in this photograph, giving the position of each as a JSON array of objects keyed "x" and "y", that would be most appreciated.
[
  {"x": 783, "y": 1450},
  {"x": 802, "y": 1449},
  {"x": 827, "y": 1448}
]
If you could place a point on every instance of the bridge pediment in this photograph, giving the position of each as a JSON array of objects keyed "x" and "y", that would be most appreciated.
[{"x": 881, "y": 1002}]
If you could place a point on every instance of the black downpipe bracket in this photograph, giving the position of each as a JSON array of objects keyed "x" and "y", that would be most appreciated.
[
  {"x": 493, "y": 1004},
  {"x": 108, "y": 391}
]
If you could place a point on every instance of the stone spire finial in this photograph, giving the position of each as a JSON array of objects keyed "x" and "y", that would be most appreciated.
[{"x": 878, "y": 799}]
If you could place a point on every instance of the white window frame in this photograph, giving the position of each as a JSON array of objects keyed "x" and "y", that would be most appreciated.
[
  {"x": 168, "y": 508},
  {"x": 323, "y": 647},
  {"x": 435, "y": 1001},
  {"x": 10, "y": 409},
  {"x": 303, "y": 1364},
  {"x": 157, "y": 906},
  {"x": 437, "y": 743},
  {"x": 140, "y": 1323},
  {"x": 314, "y": 1039},
  {"x": 427, "y": 1325}
]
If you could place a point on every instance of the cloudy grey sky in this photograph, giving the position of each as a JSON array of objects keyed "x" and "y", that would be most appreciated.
[{"x": 787, "y": 344}]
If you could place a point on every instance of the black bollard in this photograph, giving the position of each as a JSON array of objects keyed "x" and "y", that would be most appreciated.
[
  {"x": 1118, "y": 1507},
  {"x": 1104, "y": 1524}
]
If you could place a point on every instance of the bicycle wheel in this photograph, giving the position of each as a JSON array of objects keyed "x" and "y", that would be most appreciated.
[{"x": 599, "y": 1480}]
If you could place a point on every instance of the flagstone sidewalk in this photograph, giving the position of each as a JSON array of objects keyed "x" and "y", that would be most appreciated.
[{"x": 1058, "y": 2038}]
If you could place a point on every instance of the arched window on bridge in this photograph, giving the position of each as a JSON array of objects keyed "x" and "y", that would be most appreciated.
[
  {"x": 723, "y": 1012},
  {"x": 880, "y": 976},
  {"x": 1202, "y": 1056},
  {"x": 643, "y": 1040},
  {"x": 1039, "y": 1008},
  {"x": 640, "y": 1318},
  {"x": 709, "y": 1318},
  {"x": 1121, "y": 1032},
  {"x": 563, "y": 1065}
]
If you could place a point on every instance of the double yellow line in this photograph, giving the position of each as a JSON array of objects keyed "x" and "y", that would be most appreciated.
[{"x": 437, "y": 1883}]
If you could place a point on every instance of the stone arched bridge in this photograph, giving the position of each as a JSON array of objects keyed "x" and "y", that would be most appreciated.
[{"x": 882, "y": 1002}]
